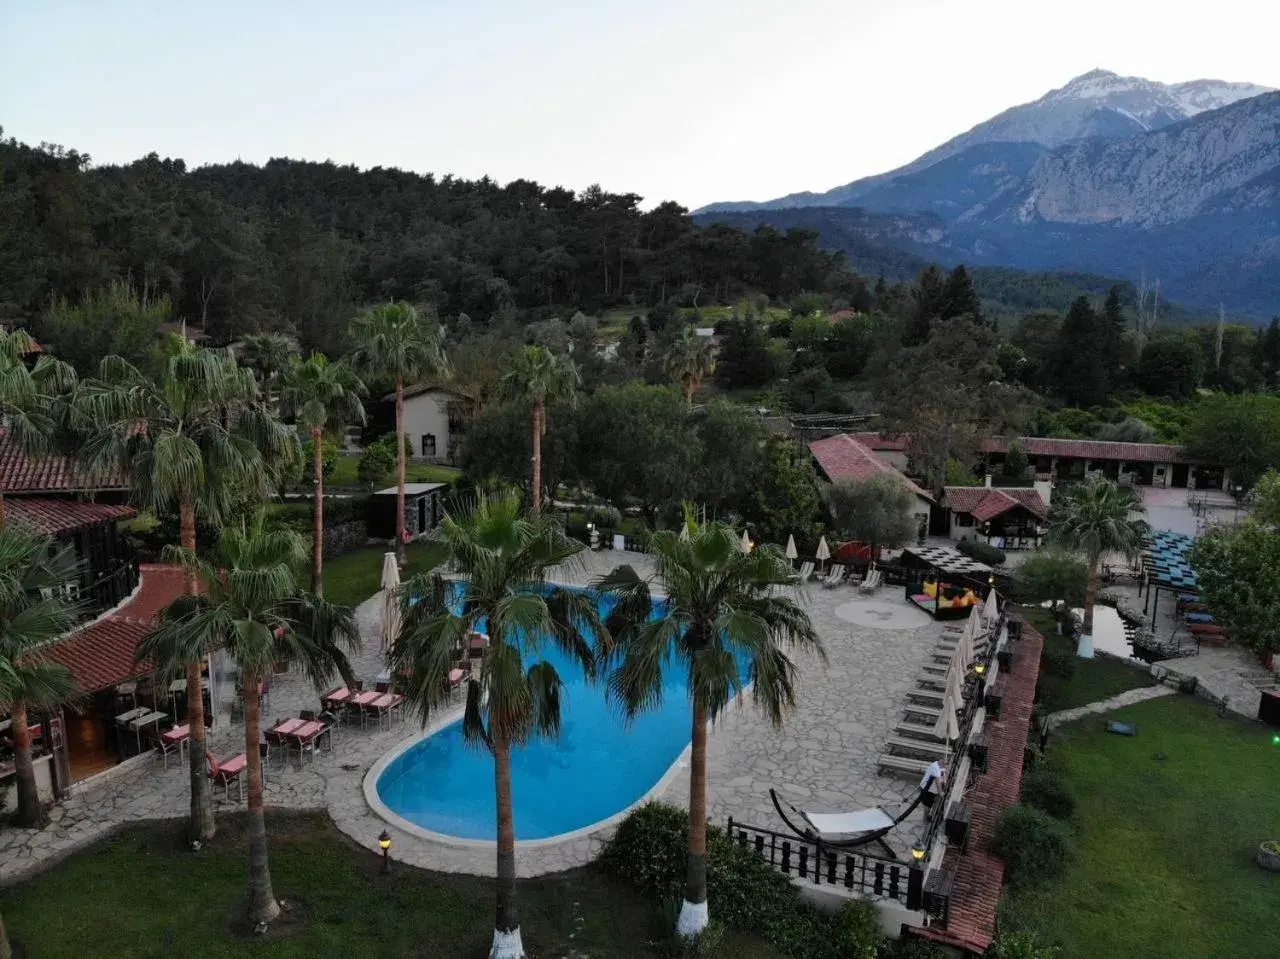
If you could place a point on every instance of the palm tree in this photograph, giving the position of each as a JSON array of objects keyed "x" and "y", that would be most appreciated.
[
  {"x": 539, "y": 375},
  {"x": 690, "y": 359},
  {"x": 323, "y": 398},
  {"x": 251, "y": 605},
  {"x": 726, "y": 623},
  {"x": 393, "y": 340},
  {"x": 1095, "y": 518},
  {"x": 34, "y": 612},
  {"x": 194, "y": 440},
  {"x": 268, "y": 355},
  {"x": 27, "y": 394},
  {"x": 503, "y": 556}
]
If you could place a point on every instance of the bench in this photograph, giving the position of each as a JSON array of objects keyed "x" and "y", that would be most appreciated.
[
  {"x": 917, "y": 731},
  {"x": 918, "y": 747},
  {"x": 901, "y": 764}
]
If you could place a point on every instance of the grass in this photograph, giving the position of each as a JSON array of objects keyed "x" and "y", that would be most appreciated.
[
  {"x": 344, "y": 473},
  {"x": 1170, "y": 820},
  {"x": 1091, "y": 680},
  {"x": 353, "y": 577},
  {"x": 142, "y": 894}
]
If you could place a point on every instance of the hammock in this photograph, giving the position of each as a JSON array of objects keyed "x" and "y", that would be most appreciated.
[{"x": 846, "y": 830}]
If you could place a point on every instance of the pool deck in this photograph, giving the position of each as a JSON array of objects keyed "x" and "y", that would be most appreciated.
[{"x": 823, "y": 758}]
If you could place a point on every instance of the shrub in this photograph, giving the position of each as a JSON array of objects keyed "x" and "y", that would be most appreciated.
[
  {"x": 379, "y": 459},
  {"x": 602, "y": 516},
  {"x": 1015, "y": 462},
  {"x": 911, "y": 948},
  {"x": 1021, "y": 945},
  {"x": 1044, "y": 788},
  {"x": 746, "y": 893},
  {"x": 1033, "y": 845},
  {"x": 982, "y": 552},
  {"x": 328, "y": 458},
  {"x": 1057, "y": 658}
]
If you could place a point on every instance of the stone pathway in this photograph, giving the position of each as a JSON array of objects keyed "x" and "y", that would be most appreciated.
[
  {"x": 823, "y": 757},
  {"x": 1128, "y": 698}
]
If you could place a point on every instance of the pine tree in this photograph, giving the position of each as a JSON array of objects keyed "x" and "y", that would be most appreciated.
[
  {"x": 744, "y": 358},
  {"x": 960, "y": 297},
  {"x": 1079, "y": 369}
]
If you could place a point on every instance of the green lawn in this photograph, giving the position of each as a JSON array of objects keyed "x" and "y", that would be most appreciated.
[
  {"x": 1091, "y": 680},
  {"x": 141, "y": 894},
  {"x": 1170, "y": 820},
  {"x": 344, "y": 473},
  {"x": 353, "y": 577}
]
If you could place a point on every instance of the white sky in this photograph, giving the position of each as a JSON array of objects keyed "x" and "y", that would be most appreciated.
[{"x": 694, "y": 101}]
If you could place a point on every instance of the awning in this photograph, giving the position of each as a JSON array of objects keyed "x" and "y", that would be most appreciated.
[{"x": 62, "y": 517}]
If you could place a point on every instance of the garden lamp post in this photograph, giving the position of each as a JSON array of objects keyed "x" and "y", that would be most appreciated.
[{"x": 384, "y": 843}]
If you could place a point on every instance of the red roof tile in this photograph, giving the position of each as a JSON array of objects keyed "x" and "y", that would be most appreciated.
[
  {"x": 842, "y": 457},
  {"x": 971, "y": 918},
  {"x": 57, "y": 517},
  {"x": 986, "y": 503},
  {"x": 1047, "y": 446},
  {"x": 101, "y": 654},
  {"x": 20, "y": 473}
]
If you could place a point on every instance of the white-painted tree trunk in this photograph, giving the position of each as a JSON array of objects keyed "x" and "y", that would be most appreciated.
[
  {"x": 1084, "y": 646},
  {"x": 693, "y": 918},
  {"x": 507, "y": 945}
]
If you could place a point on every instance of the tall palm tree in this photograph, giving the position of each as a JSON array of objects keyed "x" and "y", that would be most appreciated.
[
  {"x": 690, "y": 359},
  {"x": 252, "y": 606},
  {"x": 268, "y": 355},
  {"x": 727, "y": 623},
  {"x": 1095, "y": 518},
  {"x": 393, "y": 340},
  {"x": 503, "y": 556},
  {"x": 28, "y": 393},
  {"x": 34, "y": 612},
  {"x": 541, "y": 376},
  {"x": 192, "y": 440},
  {"x": 323, "y": 398}
]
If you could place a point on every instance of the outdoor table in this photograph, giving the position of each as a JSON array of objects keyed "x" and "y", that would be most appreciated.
[
  {"x": 361, "y": 700},
  {"x": 337, "y": 697},
  {"x": 383, "y": 677},
  {"x": 305, "y": 734},
  {"x": 285, "y": 727},
  {"x": 138, "y": 723},
  {"x": 386, "y": 704}
]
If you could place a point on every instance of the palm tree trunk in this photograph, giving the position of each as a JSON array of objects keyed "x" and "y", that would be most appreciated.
[
  {"x": 2, "y": 517},
  {"x": 1090, "y": 595},
  {"x": 688, "y": 394},
  {"x": 28, "y": 797},
  {"x": 317, "y": 533},
  {"x": 537, "y": 454},
  {"x": 507, "y": 943},
  {"x": 203, "y": 825},
  {"x": 6, "y": 950},
  {"x": 402, "y": 555},
  {"x": 693, "y": 912},
  {"x": 262, "y": 900}
]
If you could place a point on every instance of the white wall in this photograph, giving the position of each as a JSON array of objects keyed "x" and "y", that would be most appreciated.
[{"x": 428, "y": 413}]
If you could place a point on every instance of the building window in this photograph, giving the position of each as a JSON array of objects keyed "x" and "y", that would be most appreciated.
[
  {"x": 428, "y": 444},
  {"x": 964, "y": 519}
]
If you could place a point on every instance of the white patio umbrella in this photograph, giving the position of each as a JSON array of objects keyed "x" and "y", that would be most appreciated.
[
  {"x": 946, "y": 727},
  {"x": 684, "y": 531},
  {"x": 792, "y": 554},
  {"x": 991, "y": 608},
  {"x": 824, "y": 551},
  {"x": 390, "y": 603},
  {"x": 746, "y": 543}
]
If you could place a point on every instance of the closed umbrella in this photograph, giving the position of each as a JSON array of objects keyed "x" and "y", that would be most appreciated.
[
  {"x": 991, "y": 608},
  {"x": 946, "y": 727},
  {"x": 684, "y": 532},
  {"x": 746, "y": 542},
  {"x": 791, "y": 548},
  {"x": 824, "y": 551},
  {"x": 390, "y": 604}
]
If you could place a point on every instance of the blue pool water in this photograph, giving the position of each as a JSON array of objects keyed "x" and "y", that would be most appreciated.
[{"x": 599, "y": 766}]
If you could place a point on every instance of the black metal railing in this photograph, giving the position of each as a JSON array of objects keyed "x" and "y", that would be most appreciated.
[
  {"x": 110, "y": 588},
  {"x": 813, "y": 862}
]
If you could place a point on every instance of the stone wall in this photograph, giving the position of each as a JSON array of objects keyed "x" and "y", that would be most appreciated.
[{"x": 345, "y": 537}]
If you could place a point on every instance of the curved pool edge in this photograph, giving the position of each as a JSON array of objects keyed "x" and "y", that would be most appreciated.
[{"x": 599, "y": 830}]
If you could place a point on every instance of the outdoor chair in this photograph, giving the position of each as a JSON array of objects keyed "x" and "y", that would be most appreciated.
[
  {"x": 307, "y": 715},
  {"x": 274, "y": 742},
  {"x": 834, "y": 577},
  {"x": 330, "y": 721},
  {"x": 164, "y": 747},
  {"x": 264, "y": 752},
  {"x": 224, "y": 774},
  {"x": 806, "y": 571}
]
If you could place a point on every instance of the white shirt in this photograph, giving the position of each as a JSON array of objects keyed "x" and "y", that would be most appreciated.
[{"x": 935, "y": 773}]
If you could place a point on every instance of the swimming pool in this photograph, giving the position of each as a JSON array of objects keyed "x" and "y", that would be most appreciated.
[{"x": 599, "y": 766}]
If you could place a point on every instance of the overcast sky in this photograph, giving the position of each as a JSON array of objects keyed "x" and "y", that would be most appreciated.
[{"x": 691, "y": 100}]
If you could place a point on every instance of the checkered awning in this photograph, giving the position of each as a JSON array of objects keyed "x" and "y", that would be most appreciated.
[{"x": 947, "y": 559}]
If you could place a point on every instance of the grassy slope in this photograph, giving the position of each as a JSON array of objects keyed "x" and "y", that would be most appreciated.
[
  {"x": 133, "y": 896},
  {"x": 1171, "y": 820},
  {"x": 344, "y": 473},
  {"x": 1093, "y": 679},
  {"x": 353, "y": 577}
]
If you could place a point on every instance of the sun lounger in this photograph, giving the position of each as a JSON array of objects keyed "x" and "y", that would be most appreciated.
[
  {"x": 834, "y": 577},
  {"x": 806, "y": 571},
  {"x": 917, "y": 731},
  {"x": 922, "y": 712},
  {"x": 926, "y": 697},
  {"x": 902, "y": 765},
  {"x": 871, "y": 582},
  {"x": 916, "y": 747}
]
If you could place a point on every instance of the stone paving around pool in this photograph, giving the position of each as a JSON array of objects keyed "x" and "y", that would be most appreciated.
[{"x": 822, "y": 759}]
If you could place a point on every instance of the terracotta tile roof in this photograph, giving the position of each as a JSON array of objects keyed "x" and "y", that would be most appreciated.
[
  {"x": 59, "y": 517},
  {"x": 843, "y": 457},
  {"x": 971, "y": 919},
  {"x": 985, "y": 503},
  {"x": 1047, "y": 446},
  {"x": 101, "y": 654},
  {"x": 20, "y": 473}
]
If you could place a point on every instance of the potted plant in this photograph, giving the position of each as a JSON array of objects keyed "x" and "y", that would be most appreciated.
[{"x": 1269, "y": 856}]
